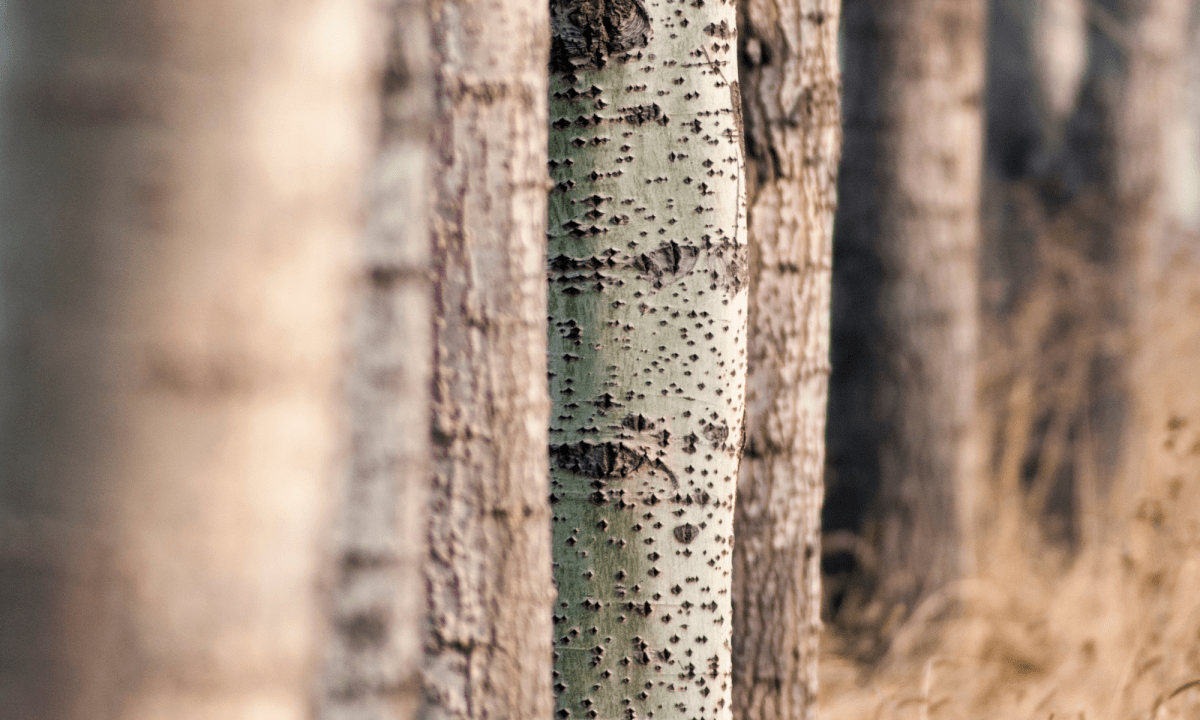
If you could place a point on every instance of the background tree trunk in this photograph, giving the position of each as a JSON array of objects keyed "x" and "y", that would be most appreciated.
[
  {"x": 791, "y": 93},
  {"x": 647, "y": 354},
  {"x": 489, "y": 574},
  {"x": 1151, "y": 102},
  {"x": 379, "y": 605},
  {"x": 177, "y": 183},
  {"x": 908, "y": 234}
]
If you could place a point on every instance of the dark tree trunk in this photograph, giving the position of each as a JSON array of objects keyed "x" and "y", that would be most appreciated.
[{"x": 905, "y": 285}]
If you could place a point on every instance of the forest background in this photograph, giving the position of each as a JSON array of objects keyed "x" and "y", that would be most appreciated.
[{"x": 275, "y": 440}]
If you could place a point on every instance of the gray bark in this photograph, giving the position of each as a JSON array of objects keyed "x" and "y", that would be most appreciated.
[
  {"x": 489, "y": 572},
  {"x": 791, "y": 88},
  {"x": 908, "y": 232},
  {"x": 172, "y": 276},
  {"x": 375, "y": 650},
  {"x": 647, "y": 354}
]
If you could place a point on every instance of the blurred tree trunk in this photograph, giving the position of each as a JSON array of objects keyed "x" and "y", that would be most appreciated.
[
  {"x": 1103, "y": 208},
  {"x": 647, "y": 354},
  {"x": 791, "y": 89},
  {"x": 375, "y": 651},
  {"x": 908, "y": 230},
  {"x": 489, "y": 573},
  {"x": 178, "y": 182},
  {"x": 1151, "y": 103}
]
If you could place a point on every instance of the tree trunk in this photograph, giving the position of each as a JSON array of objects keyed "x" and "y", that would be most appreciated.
[
  {"x": 791, "y": 91},
  {"x": 178, "y": 182},
  {"x": 908, "y": 224},
  {"x": 379, "y": 605},
  {"x": 647, "y": 354},
  {"x": 489, "y": 574},
  {"x": 1151, "y": 100}
]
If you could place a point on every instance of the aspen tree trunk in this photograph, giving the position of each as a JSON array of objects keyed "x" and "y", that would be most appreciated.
[
  {"x": 489, "y": 574},
  {"x": 909, "y": 212},
  {"x": 647, "y": 354},
  {"x": 791, "y": 88},
  {"x": 1150, "y": 102},
  {"x": 375, "y": 652},
  {"x": 178, "y": 183}
]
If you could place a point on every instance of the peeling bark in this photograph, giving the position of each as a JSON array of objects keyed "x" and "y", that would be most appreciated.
[
  {"x": 647, "y": 355},
  {"x": 791, "y": 89},
  {"x": 489, "y": 570}
]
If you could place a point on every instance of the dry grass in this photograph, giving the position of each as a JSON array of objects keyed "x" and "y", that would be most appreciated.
[{"x": 1086, "y": 603}]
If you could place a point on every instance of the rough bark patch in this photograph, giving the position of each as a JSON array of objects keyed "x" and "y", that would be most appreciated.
[
  {"x": 667, "y": 263},
  {"x": 586, "y": 33},
  {"x": 602, "y": 461}
]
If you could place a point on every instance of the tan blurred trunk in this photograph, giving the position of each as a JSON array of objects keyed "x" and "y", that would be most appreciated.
[
  {"x": 1151, "y": 104},
  {"x": 178, "y": 183},
  {"x": 374, "y": 656},
  {"x": 909, "y": 214},
  {"x": 791, "y": 88},
  {"x": 489, "y": 574}
]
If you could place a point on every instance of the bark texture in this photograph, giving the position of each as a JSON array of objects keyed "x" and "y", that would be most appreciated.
[
  {"x": 375, "y": 652},
  {"x": 647, "y": 353},
  {"x": 908, "y": 231},
  {"x": 791, "y": 90},
  {"x": 489, "y": 574},
  {"x": 177, "y": 186}
]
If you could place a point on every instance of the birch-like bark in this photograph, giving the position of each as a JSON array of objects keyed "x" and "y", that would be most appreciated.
[
  {"x": 792, "y": 99},
  {"x": 178, "y": 184},
  {"x": 375, "y": 650},
  {"x": 489, "y": 574},
  {"x": 910, "y": 215},
  {"x": 647, "y": 354}
]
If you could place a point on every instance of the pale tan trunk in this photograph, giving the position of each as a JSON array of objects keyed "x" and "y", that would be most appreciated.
[
  {"x": 375, "y": 650},
  {"x": 791, "y": 89},
  {"x": 910, "y": 204},
  {"x": 1151, "y": 102},
  {"x": 489, "y": 574},
  {"x": 178, "y": 183}
]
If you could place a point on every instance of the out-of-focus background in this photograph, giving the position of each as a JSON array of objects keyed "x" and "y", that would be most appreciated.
[{"x": 1078, "y": 595}]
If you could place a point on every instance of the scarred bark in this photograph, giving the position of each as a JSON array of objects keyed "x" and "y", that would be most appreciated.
[
  {"x": 791, "y": 90},
  {"x": 489, "y": 575},
  {"x": 647, "y": 354}
]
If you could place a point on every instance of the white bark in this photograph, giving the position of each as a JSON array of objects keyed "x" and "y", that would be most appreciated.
[{"x": 647, "y": 354}]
